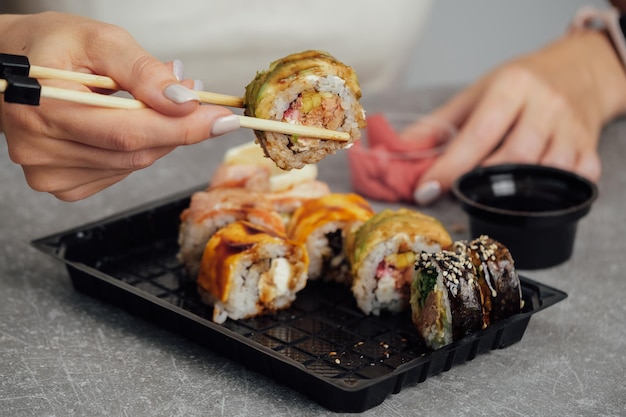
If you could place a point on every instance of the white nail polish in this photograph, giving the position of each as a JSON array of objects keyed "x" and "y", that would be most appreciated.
[
  {"x": 198, "y": 85},
  {"x": 427, "y": 193},
  {"x": 180, "y": 94},
  {"x": 225, "y": 124},
  {"x": 178, "y": 69}
]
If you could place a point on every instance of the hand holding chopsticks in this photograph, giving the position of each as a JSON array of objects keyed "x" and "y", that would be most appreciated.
[{"x": 20, "y": 85}]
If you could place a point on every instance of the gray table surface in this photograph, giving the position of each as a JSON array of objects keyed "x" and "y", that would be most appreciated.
[{"x": 63, "y": 353}]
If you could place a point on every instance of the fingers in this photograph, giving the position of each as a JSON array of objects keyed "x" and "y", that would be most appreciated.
[
  {"x": 149, "y": 80},
  {"x": 572, "y": 147},
  {"x": 589, "y": 166},
  {"x": 77, "y": 151},
  {"x": 516, "y": 119},
  {"x": 71, "y": 183},
  {"x": 74, "y": 150},
  {"x": 115, "y": 143},
  {"x": 86, "y": 190},
  {"x": 144, "y": 129},
  {"x": 527, "y": 140},
  {"x": 496, "y": 110},
  {"x": 547, "y": 133},
  {"x": 49, "y": 152},
  {"x": 457, "y": 109},
  {"x": 116, "y": 129}
]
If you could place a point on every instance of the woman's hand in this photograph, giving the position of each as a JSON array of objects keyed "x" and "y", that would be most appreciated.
[
  {"x": 73, "y": 151},
  {"x": 546, "y": 108}
]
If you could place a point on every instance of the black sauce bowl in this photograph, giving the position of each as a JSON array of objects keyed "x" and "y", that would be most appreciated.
[{"x": 531, "y": 209}]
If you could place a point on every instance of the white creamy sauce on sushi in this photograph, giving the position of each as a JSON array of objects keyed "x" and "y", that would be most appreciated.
[
  {"x": 386, "y": 290},
  {"x": 280, "y": 271}
]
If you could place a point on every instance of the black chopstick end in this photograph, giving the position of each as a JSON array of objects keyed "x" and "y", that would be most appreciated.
[
  {"x": 14, "y": 65},
  {"x": 22, "y": 90}
]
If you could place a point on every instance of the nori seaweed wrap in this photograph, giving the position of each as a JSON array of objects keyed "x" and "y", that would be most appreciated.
[
  {"x": 445, "y": 298},
  {"x": 498, "y": 279},
  {"x": 464, "y": 289}
]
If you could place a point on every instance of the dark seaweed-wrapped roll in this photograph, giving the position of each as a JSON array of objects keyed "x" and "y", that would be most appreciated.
[
  {"x": 498, "y": 279},
  {"x": 309, "y": 88},
  {"x": 445, "y": 298}
]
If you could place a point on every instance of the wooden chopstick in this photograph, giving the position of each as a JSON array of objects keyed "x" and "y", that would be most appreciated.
[
  {"x": 275, "y": 126},
  {"x": 84, "y": 97},
  {"x": 102, "y": 81},
  {"x": 90, "y": 80},
  {"x": 221, "y": 99},
  {"x": 115, "y": 102}
]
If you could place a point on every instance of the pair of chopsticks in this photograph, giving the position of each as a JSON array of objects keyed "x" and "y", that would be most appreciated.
[{"x": 18, "y": 82}]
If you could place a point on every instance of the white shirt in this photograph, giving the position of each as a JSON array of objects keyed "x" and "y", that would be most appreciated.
[{"x": 224, "y": 43}]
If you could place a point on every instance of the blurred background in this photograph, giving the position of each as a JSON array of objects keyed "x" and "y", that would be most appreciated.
[{"x": 464, "y": 39}]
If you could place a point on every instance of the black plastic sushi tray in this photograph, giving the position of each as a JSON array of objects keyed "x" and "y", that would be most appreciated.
[{"x": 322, "y": 346}]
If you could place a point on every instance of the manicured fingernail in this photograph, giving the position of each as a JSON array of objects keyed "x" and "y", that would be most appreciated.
[
  {"x": 225, "y": 124},
  {"x": 180, "y": 94},
  {"x": 427, "y": 193},
  {"x": 178, "y": 69},
  {"x": 198, "y": 85}
]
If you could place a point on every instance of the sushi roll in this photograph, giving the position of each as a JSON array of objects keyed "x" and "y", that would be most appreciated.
[
  {"x": 445, "y": 298},
  {"x": 309, "y": 88},
  {"x": 287, "y": 201},
  {"x": 249, "y": 270},
  {"x": 246, "y": 166},
  {"x": 323, "y": 225},
  {"x": 495, "y": 268},
  {"x": 383, "y": 252},
  {"x": 214, "y": 208},
  {"x": 252, "y": 177}
]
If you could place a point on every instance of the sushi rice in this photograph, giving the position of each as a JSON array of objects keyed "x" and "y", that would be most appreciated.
[
  {"x": 309, "y": 88},
  {"x": 248, "y": 270}
]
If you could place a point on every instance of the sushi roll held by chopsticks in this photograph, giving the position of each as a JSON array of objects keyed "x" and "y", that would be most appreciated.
[{"x": 310, "y": 88}]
